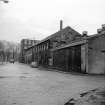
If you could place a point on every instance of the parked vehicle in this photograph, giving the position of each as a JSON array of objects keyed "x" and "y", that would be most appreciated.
[
  {"x": 11, "y": 61},
  {"x": 34, "y": 64}
]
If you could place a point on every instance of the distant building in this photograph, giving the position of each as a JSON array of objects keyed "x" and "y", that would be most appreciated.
[{"x": 25, "y": 43}]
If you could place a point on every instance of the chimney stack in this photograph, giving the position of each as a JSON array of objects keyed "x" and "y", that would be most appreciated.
[
  {"x": 61, "y": 25},
  {"x": 84, "y": 33},
  {"x": 99, "y": 30},
  {"x": 103, "y": 27}
]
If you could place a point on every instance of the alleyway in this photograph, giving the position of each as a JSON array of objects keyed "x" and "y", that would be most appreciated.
[{"x": 23, "y": 85}]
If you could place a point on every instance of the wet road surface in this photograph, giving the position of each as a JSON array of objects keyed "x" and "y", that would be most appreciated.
[{"x": 23, "y": 85}]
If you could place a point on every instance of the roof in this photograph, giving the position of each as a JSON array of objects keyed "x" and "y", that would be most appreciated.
[
  {"x": 57, "y": 33},
  {"x": 78, "y": 42},
  {"x": 96, "y": 35},
  {"x": 70, "y": 45},
  {"x": 66, "y": 29}
]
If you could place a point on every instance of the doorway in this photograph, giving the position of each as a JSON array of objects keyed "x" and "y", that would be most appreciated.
[{"x": 74, "y": 60}]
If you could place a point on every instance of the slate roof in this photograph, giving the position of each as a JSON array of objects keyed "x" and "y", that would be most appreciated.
[
  {"x": 66, "y": 29},
  {"x": 80, "y": 41}
]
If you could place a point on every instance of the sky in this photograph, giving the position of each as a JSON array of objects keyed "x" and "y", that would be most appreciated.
[{"x": 37, "y": 19}]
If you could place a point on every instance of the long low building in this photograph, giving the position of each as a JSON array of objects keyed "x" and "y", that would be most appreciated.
[
  {"x": 86, "y": 55},
  {"x": 68, "y": 50}
]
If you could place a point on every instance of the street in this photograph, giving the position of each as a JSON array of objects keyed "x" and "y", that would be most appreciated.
[{"x": 22, "y": 85}]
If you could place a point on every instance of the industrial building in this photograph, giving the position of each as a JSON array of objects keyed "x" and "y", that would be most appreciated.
[{"x": 68, "y": 50}]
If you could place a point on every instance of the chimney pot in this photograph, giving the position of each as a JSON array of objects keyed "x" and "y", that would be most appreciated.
[
  {"x": 103, "y": 27},
  {"x": 99, "y": 31},
  {"x": 84, "y": 33}
]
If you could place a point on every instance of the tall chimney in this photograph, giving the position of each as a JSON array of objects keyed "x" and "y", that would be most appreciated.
[{"x": 61, "y": 25}]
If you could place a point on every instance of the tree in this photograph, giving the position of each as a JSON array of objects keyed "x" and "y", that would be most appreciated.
[{"x": 1, "y": 46}]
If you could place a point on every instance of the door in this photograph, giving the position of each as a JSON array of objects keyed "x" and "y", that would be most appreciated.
[{"x": 74, "y": 61}]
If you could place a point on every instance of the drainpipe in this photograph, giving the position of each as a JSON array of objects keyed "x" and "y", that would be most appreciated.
[{"x": 84, "y": 53}]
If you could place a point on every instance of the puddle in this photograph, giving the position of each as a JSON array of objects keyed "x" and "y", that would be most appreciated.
[
  {"x": 3, "y": 77},
  {"x": 25, "y": 73}
]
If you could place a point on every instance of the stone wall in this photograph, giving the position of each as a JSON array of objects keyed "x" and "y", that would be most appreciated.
[
  {"x": 96, "y": 55},
  {"x": 64, "y": 37}
]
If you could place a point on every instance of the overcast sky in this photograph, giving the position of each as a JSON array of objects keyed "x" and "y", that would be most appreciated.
[{"x": 40, "y": 18}]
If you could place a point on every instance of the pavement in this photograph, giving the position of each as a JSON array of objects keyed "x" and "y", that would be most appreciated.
[
  {"x": 92, "y": 97},
  {"x": 22, "y": 85}
]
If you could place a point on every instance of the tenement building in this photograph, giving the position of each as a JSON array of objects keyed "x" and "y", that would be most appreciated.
[{"x": 25, "y": 44}]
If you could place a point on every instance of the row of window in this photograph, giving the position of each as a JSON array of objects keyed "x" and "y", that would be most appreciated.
[
  {"x": 41, "y": 47},
  {"x": 28, "y": 42}
]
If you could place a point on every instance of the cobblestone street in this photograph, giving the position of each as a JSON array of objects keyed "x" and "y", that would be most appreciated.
[{"x": 22, "y": 85}]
